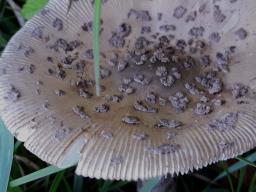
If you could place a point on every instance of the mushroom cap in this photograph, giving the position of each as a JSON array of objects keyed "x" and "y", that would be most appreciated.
[{"x": 47, "y": 65}]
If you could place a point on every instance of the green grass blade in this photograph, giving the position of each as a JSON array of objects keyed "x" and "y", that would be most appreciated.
[
  {"x": 16, "y": 146},
  {"x": 3, "y": 41},
  {"x": 2, "y": 7},
  {"x": 56, "y": 181},
  {"x": 252, "y": 186},
  {"x": 106, "y": 186},
  {"x": 67, "y": 187},
  {"x": 6, "y": 155},
  {"x": 246, "y": 161},
  {"x": 96, "y": 44},
  {"x": 241, "y": 179},
  {"x": 239, "y": 165},
  {"x": 16, "y": 189},
  {"x": 150, "y": 184},
  {"x": 46, "y": 183},
  {"x": 235, "y": 167},
  {"x": 35, "y": 175},
  {"x": 78, "y": 183},
  {"x": 229, "y": 179}
]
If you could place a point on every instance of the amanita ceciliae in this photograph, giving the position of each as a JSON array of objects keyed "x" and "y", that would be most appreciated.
[{"x": 178, "y": 83}]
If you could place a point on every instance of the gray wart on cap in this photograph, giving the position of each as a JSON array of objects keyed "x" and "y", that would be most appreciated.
[{"x": 175, "y": 96}]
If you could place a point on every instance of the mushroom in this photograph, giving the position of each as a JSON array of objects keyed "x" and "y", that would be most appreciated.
[{"x": 177, "y": 86}]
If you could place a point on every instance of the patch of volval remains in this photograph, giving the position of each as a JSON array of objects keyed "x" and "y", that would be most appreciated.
[{"x": 155, "y": 87}]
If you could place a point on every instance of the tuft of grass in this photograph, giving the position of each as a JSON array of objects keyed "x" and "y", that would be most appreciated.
[
  {"x": 6, "y": 155},
  {"x": 96, "y": 44}
]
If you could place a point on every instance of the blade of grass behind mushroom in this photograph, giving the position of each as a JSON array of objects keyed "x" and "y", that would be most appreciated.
[
  {"x": 16, "y": 189},
  {"x": 106, "y": 185},
  {"x": 6, "y": 154},
  {"x": 96, "y": 44},
  {"x": 229, "y": 178},
  {"x": 246, "y": 161},
  {"x": 235, "y": 167},
  {"x": 57, "y": 180},
  {"x": 67, "y": 186},
  {"x": 78, "y": 183},
  {"x": 35, "y": 175},
  {"x": 239, "y": 165},
  {"x": 17, "y": 12},
  {"x": 241, "y": 179},
  {"x": 7, "y": 28},
  {"x": 2, "y": 7},
  {"x": 16, "y": 146},
  {"x": 2, "y": 41},
  {"x": 252, "y": 186},
  {"x": 150, "y": 184}
]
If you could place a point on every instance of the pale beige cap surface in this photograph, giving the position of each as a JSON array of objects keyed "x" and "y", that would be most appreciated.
[{"x": 49, "y": 109}]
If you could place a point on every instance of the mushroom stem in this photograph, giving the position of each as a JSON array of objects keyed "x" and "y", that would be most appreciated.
[{"x": 96, "y": 44}]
